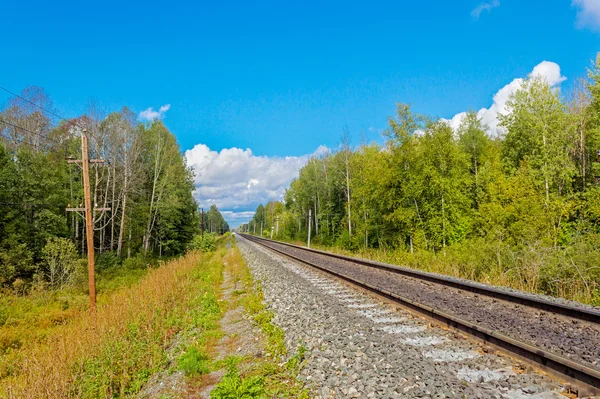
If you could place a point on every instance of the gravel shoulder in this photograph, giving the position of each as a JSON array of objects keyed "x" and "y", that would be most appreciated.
[{"x": 362, "y": 347}]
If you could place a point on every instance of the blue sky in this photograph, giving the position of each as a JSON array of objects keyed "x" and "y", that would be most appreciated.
[{"x": 283, "y": 78}]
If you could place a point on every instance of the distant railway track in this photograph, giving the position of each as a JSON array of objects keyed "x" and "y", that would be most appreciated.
[{"x": 558, "y": 338}]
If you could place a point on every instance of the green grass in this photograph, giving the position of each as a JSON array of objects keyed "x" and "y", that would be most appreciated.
[
  {"x": 194, "y": 362},
  {"x": 203, "y": 315},
  {"x": 233, "y": 386},
  {"x": 273, "y": 375}
]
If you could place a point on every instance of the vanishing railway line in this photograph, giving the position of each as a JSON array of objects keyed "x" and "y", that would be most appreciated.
[{"x": 559, "y": 338}]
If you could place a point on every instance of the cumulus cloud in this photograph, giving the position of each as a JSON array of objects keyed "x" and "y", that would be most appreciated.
[
  {"x": 237, "y": 216},
  {"x": 487, "y": 6},
  {"x": 588, "y": 14},
  {"x": 546, "y": 70},
  {"x": 237, "y": 181},
  {"x": 150, "y": 114}
]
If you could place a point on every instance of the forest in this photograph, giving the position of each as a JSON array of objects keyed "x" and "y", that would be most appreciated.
[
  {"x": 143, "y": 182},
  {"x": 521, "y": 209}
]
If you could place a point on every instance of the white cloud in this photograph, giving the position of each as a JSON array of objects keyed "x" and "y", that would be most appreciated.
[
  {"x": 487, "y": 6},
  {"x": 588, "y": 13},
  {"x": 549, "y": 71},
  {"x": 150, "y": 114},
  {"x": 237, "y": 216},
  {"x": 237, "y": 181},
  {"x": 320, "y": 151}
]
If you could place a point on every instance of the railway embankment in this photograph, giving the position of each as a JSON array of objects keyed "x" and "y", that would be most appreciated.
[{"x": 360, "y": 345}]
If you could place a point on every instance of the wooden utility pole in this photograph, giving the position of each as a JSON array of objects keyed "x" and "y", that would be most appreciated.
[
  {"x": 89, "y": 221},
  {"x": 89, "y": 216}
]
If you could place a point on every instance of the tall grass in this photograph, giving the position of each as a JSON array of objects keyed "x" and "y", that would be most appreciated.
[
  {"x": 28, "y": 317},
  {"x": 113, "y": 353}
]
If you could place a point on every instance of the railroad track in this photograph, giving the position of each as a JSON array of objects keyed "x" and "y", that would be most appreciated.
[{"x": 560, "y": 339}]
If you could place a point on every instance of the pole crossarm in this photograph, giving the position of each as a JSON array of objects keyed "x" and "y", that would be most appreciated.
[
  {"x": 83, "y": 209},
  {"x": 78, "y": 161}
]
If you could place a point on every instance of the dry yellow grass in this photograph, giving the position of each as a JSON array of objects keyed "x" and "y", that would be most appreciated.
[{"x": 63, "y": 365}]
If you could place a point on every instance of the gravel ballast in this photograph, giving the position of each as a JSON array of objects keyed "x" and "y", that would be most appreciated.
[
  {"x": 565, "y": 336},
  {"x": 359, "y": 346}
]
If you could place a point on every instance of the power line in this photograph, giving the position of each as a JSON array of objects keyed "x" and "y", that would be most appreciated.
[
  {"x": 22, "y": 128},
  {"x": 38, "y": 106},
  {"x": 21, "y": 141},
  {"x": 43, "y": 136},
  {"x": 71, "y": 121}
]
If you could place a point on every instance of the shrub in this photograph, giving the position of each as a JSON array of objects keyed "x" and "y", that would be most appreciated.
[
  {"x": 16, "y": 260},
  {"x": 206, "y": 244},
  {"x": 107, "y": 260},
  {"x": 345, "y": 241},
  {"x": 194, "y": 363},
  {"x": 136, "y": 262},
  {"x": 60, "y": 258}
]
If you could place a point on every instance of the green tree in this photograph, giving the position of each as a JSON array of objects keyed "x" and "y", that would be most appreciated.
[
  {"x": 538, "y": 131},
  {"x": 475, "y": 143},
  {"x": 60, "y": 258}
]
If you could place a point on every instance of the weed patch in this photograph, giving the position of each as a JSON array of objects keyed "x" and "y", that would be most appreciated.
[
  {"x": 194, "y": 362},
  {"x": 233, "y": 386},
  {"x": 267, "y": 376}
]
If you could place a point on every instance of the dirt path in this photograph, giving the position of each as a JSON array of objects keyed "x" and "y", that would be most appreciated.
[
  {"x": 239, "y": 341},
  {"x": 240, "y": 338}
]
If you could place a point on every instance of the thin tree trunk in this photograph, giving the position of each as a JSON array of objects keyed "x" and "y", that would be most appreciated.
[
  {"x": 316, "y": 220},
  {"x": 366, "y": 227},
  {"x": 124, "y": 205},
  {"x": 476, "y": 183},
  {"x": 582, "y": 151},
  {"x": 420, "y": 220},
  {"x": 114, "y": 209},
  {"x": 129, "y": 241},
  {"x": 154, "y": 182},
  {"x": 122, "y": 226},
  {"x": 155, "y": 214},
  {"x": 546, "y": 183},
  {"x": 348, "y": 196},
  {"x": 443, "y": 223}
]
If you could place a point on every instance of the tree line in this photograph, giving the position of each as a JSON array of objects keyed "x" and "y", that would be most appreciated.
[
  {"x": 144, "y": 181},
  {"x": 214, "y": 222},
  {"x": 525, "y": 204}
]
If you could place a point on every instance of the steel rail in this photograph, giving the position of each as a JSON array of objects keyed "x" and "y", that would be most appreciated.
[
  {"x": 585, "y": 378},
  {"x": 590, "y": 315}
]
